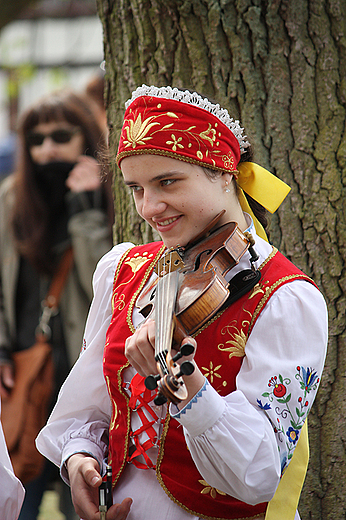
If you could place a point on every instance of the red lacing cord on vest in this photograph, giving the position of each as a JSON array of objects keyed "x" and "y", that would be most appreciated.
[{"x": 139, "y": 401}]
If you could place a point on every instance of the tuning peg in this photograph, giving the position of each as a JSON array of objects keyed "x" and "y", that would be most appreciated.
[
  {"x": 186, "y": 350},
  {"x": 186, "y": 369},
  {"x": 160, "y": 399},
  {"x": 151, "y": 381}
]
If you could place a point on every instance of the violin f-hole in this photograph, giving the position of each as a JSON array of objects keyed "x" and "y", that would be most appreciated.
[{"x": 198, "y": 258}]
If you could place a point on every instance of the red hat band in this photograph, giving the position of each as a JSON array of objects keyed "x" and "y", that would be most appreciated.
[{"x": 159, "y": 126}]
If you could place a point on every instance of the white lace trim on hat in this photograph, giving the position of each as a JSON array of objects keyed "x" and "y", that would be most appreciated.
[{"x": 192, "y": 98}]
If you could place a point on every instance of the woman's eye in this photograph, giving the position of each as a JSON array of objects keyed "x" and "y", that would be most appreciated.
[
  {"x": 167, "y": 182},
  {"x": 135, "y": 189}
]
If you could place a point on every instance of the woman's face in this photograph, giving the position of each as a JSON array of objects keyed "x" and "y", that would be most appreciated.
[
  {"x": 177, "y": 198},
  {"x": 55, "y": 141}
]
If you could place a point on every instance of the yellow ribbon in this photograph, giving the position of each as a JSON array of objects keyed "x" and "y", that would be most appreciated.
[
  {"x": 269, "y": 191},
  {"x": 264, "y": 187},
  {"x": 284, "y": 503}
]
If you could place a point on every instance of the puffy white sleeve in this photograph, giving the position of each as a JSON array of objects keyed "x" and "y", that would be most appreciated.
[
  {"x": 80, "y": 419},
  {"x": 11, "y": 489},
  {"x": 242, "y": 442}
]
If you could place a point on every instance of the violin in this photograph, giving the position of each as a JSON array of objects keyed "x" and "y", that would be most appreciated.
[{"x": 190, "y": 289}]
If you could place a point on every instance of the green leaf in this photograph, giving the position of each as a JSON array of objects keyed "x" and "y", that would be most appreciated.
[
  {"x": 299, "y": 413},
  {"x": 285, "y": 400}
]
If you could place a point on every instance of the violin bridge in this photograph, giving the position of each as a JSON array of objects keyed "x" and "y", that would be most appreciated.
[{"x": 169, "y": 263}]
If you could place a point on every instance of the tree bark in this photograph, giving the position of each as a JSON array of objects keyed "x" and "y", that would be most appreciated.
[{"x": 279, "y": 66}]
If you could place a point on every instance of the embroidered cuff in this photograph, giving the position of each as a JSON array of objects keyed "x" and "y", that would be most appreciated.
[{"x": 201, "y": 412}]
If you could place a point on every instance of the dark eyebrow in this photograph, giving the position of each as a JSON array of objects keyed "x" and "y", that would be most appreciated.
[{"x": 160, "y": 177}]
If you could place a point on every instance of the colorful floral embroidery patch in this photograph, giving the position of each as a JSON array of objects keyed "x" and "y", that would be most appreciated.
[{"x": 279, "y": 399}]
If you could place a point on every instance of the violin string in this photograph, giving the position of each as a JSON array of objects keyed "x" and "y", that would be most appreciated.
[
  {"x": 159, "y": 317},
  {"x": 164, "y": 310}
]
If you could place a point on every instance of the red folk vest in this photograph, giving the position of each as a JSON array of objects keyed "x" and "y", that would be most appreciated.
[{"x": 221, "y": 348}]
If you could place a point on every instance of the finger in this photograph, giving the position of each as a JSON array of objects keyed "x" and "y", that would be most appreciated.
[
  {"x": 190, "y": 341},
  {"x": 145, "y": 337},
  {"x": 86, "y": 159},
  {"x": 139, "y": 350},
  {"x": 7, "y": 375},
  {"x": 151, "y": 331},
  {"x": 119, "y": 511},
  {"x": 85, "y": 176},
  {"x": 91, "y": 476},
  {"x": 140, "y": 363},
  {"x": 6, "y": 380}
]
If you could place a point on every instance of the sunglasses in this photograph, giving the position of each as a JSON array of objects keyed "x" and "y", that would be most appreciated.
[{"x": 60, "y": 136}]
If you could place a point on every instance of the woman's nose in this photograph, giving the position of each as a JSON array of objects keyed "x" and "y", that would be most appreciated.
[
  {"x": 152, "y": 205},
  {"x": 48, "y": 149}
]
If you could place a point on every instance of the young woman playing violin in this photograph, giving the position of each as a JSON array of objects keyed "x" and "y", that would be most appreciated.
[{"x": 233, "y": 336}]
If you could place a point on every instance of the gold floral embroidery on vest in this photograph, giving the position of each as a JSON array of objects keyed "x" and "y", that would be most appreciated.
[
  {"x": 211, "y": 372},
  {"x": 209, "y": 490},
  {"x": 236, "y": 344},
  {"x": 118, "y": 303},
  {"x": 137, "y": 261},
  {"x": 258, "y": 289},
  {"x": 114, "y": 407}
]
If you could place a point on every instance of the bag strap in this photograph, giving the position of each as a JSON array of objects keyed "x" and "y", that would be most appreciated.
[{"x": 51, "y": 302}]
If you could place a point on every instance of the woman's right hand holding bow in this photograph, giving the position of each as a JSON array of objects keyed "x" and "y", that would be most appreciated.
[{"x": 85, "y": 479}]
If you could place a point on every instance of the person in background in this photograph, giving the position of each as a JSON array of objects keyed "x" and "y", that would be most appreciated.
[
  {"x": 235, "y": 427},
  {"x": 57, "y": 197}
]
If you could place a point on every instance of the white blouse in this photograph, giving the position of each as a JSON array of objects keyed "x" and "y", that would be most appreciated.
[
  {"x": 240, "y": 443},
  {"x": 11, "y": 489}
]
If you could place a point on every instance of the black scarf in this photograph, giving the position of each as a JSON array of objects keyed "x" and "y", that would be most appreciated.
[{"x": 51, "y": 181}]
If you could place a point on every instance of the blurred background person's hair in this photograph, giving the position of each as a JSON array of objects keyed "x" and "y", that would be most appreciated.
[{"x": 58, "y": 196}]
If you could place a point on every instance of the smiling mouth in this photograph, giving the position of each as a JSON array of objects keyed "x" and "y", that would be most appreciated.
[{"x": 167, "y": 222}]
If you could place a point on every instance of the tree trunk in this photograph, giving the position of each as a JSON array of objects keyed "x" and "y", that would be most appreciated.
[{"x": 279, "y": 66}]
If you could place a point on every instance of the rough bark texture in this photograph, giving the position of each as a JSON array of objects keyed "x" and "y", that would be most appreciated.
[{"x": 280, "y": 66}]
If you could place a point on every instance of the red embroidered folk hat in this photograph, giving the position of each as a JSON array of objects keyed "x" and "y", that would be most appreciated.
[{"x": 181, "y": 125}]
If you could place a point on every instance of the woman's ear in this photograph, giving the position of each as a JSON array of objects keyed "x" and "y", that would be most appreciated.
[{"x": 226, "y": 180}]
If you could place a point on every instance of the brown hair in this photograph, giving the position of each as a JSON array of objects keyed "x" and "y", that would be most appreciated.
[
  {"x": 95, "y": 89},
  {"x": 30, "y": 211}
]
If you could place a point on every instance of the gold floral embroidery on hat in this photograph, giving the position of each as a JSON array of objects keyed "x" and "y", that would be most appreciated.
[
  {"x": 140, "y": 131},
  {"x": 209, "y": 135},
  {"x": 137, "y": 130},
  {"x": 228, "y": 161},
  {"x": 175, "y": 142}
]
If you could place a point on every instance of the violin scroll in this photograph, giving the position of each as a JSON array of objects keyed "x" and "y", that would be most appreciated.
[{"x": 170, "y": 383}]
